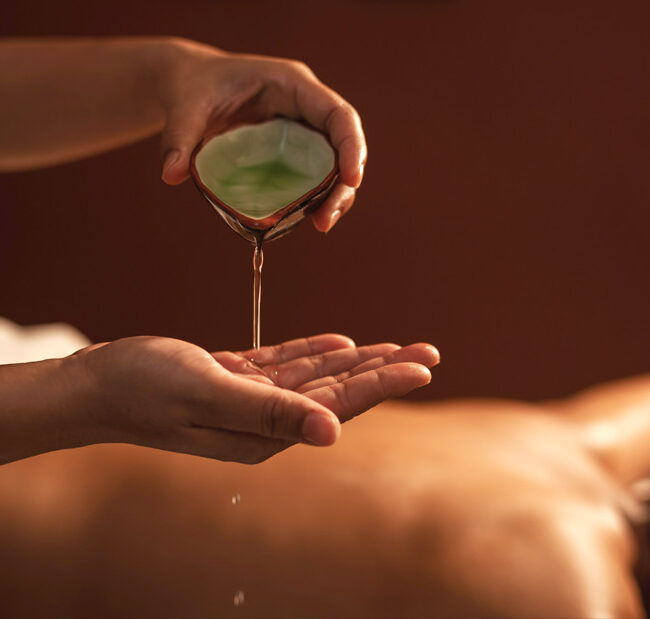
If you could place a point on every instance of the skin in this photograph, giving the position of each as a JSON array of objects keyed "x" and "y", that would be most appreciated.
[
  {"x": 173, "y": 395},
  {"x": 72, "y": 98},
  {"x": 485, "y": 508},
  {"x": 465, "y": 508}
]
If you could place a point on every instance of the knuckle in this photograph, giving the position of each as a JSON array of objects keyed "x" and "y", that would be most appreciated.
[
  {"x": 383, "y": 386},
  {"x": 268, "y": 418},
  {"x": 309, "y": 342},
  {"x": 341, "y": 110},
  {"x": 279, "y": 352},
  {"x": 348, "y": 201},
  {"x": 273, "y": 422},
  {"x": 300, "y": 67},
  {"x": 317, "y": 364},
  {"x": 342, "y": 397},
  {"x": 347, "y": 111},
  {"x": 289, "y": 68}
]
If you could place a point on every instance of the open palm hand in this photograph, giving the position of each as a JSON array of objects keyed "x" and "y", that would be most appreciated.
[{"x": 245, "y": 406}]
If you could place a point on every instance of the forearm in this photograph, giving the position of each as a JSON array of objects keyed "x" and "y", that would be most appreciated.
[
  {"x": 63, "y": 99},
  {"x": 42, "y": 409}
]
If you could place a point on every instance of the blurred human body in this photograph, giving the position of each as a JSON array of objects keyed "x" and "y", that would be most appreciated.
[{"x": 488, "y": 508}]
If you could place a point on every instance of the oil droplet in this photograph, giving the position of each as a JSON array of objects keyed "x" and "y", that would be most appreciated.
[
  {"x": 236, "y": 499},
  {"x": 238, "y": 600},
  {"x": 256, "y": 367}
]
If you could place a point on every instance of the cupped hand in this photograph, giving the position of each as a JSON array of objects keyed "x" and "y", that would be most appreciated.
[
  {"x": 204, "y": 88},
  {"x": 242, "y": 406}
]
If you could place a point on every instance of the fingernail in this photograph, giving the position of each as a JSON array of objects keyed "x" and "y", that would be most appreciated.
[
  {"x": 171, "y": 158},
  {"x": 320, "y": 429},
  {"x": 361, "y": 169},
  {"x": 333, "y": 219},
  {"x": 434, "y": 351}
]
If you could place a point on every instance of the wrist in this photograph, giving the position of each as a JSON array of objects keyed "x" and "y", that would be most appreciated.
[
  {"x": 42, "y": 408},
  {"x": 150, "y": 60},
  {"x": 92, "y": 404}
]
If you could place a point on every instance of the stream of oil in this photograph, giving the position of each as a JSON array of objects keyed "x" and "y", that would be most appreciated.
[{"x": 258, "y": 261}]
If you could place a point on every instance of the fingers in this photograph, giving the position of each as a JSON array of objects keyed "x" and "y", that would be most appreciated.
[
  {"x": 424, "y": 354},
  {"x": 238, "y": 404},
  {"x": 300, "y": 94},
  {"x": 183, "y": 131},
  {"x": 238, "y": 363},
  {"x": 328, "y": 111},
  {"x": 252, "y": 365},
  {"x": 301, "y": 347},
  {"x": 294, "y": 373},
  {"x": 259, "y": 420},
  {"x": 359, "y": 393},
  {"x": 347, "y": 399},
  {"x": 337, "y": 204}
]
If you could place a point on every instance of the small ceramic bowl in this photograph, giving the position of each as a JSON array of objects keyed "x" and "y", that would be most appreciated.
[{"x": 264, "y": 178}]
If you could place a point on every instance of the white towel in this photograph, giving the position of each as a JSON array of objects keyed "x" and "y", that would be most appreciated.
[{"x": 37, "y": 342}]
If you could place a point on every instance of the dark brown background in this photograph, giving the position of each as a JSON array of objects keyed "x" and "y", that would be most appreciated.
[{"x": 504, "y": 215}]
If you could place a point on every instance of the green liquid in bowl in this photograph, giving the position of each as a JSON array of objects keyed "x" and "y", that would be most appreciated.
[
  {"x": 261, "y": 190},
  {"x": 257, "y": 170}
]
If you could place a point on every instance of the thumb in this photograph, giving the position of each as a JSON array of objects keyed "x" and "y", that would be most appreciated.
[
  {"x": 272, "y": 412},
  {"x": 183, "y": 131}
]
